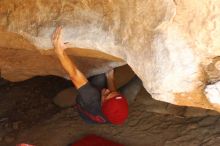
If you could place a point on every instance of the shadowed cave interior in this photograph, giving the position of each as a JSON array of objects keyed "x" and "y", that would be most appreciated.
[{"x": 29, "y": 114}]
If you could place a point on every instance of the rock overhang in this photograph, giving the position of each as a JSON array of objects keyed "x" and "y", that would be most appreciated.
[{"x": 170, "y": 45}]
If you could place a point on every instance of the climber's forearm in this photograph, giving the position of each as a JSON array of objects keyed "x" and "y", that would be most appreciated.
[
  {"x": 67, "y": 64},
  {"x": 111, "y": 85},
  {"x": 70, "y": 67},
  {"x": 75, "y": 74},
  {"x": 110, "y": 81}
]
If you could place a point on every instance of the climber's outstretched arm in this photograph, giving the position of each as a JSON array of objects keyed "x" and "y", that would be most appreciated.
[
  {"x": 77, "y": 77},
  {"x": 110, "y": 80}
]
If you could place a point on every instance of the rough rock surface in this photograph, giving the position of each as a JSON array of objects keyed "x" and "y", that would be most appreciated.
[
  {"x": 35, "y": 120},
  {"x": 172, "y": 45}
]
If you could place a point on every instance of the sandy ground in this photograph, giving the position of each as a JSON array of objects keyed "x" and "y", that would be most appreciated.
[{"x": 27, "y": 114}]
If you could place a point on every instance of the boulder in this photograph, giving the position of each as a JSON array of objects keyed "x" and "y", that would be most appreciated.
[{"x": 172, "y": 45}]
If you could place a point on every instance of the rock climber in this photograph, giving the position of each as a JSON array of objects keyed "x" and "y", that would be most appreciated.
[{"x": 97, "y": 101}]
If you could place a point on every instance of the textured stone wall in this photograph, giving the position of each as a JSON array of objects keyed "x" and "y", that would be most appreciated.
[{"x": 172, "y": 45}]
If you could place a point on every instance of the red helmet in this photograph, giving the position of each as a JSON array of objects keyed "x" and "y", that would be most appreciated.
[{"x": 116, "y": 109}]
